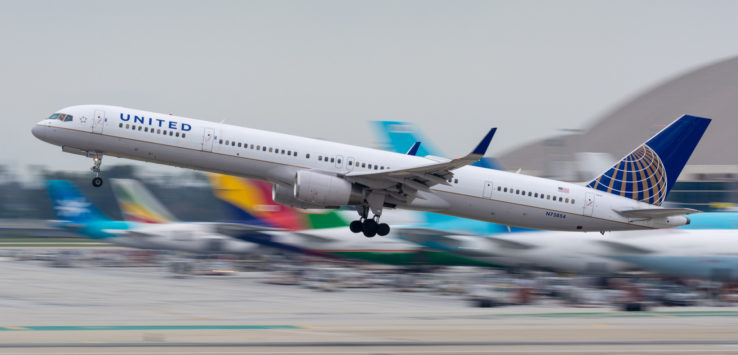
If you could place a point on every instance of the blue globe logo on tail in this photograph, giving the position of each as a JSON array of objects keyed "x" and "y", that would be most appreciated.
[
  {"x": 639, "y": 176},
  {"x": 649, "y": 172}
]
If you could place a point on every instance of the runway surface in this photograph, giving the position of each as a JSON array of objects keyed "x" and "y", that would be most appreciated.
[{"x": 96, "y": 310}]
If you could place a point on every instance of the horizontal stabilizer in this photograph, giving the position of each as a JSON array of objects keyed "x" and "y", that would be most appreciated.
[
  {"x": 624, "y": 248},
  {"x": 649, "y": 213}
]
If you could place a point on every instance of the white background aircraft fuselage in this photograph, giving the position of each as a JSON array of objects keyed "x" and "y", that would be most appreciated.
[{"x": 477, "y": 193}]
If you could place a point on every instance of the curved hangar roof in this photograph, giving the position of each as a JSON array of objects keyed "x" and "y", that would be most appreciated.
[{"x": 710, "y": 91}]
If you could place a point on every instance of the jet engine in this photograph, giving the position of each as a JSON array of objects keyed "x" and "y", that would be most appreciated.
[
  {"x": 327, "y": 191},
  {"x": 285, "y": 195}
]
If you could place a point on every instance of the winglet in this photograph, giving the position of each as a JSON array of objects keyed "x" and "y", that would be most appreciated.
[
  {"x": 484, "y": 144},
  {"x": 414, "y": 149}
]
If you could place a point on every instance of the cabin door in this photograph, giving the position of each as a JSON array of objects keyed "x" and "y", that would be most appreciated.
[
  {"x": 589, "y": 202},
  {"x": 98, "y": 121},
  {"x": 350, "y": 163},
  {"x": 488, "y": 189},
  {"x": 207, "y": 140}
]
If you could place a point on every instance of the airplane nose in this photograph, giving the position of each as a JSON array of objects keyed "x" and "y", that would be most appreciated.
[{"x": 38, "y": 131}]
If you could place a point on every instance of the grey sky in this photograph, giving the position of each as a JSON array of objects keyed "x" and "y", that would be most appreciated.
[{"x": 323, "y": 68}]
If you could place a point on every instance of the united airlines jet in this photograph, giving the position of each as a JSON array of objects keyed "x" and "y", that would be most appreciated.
[{"x": 310, "y": 173}]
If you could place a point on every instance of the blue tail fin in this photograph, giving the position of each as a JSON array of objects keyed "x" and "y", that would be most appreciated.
[
  {"x": 71, "y": 205},
  {"x": 648, "y": 173},
  {"x": 398, "y": 136}
]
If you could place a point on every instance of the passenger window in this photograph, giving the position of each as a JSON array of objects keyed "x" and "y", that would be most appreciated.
[
  {"x": 333, "y": 160},
  {"x": 120, "y": 125},
  {"x": 270, "y": 150},
  {"x": 567, "y": 200},
  {"x": 295, "y": 154},
  {"x": 183, "y": 135},
  {"x": 363, "y": 165},
  {"x": 239, "y": 144},
  {"x": 499, "y": 188},
  {"x": 128, "y": 126},
  {"x": 517, "y": 192},
  {"x": 548, "y": 197},
  {"x": 320, "y": 158},
  {"x": 456, "y": 181},
  {"x": 133, "y": 127},
  {"x": 227, "y": 142},
  {"x": 505, "y": 189},
  {"x": 339, "y": 161},
  {"x": 350, "y": 163},
  {"x": 177, "y": 134},
  {"x": 561, "y": 199},
  {"x": 572, "y": 201},
  {"x": 146, "y": 129},
  {"x": 139, "y": 128},
  {"x": 530, "y": 194},
  {"x": 536, "y": 195},
  {"x": 307, "y": 156},
  {"x": 264, "y": 149},
  {"x": 376, "y": 167},
  {"x": 158, "y": 131},
  {"x": 171, "y": 133}
]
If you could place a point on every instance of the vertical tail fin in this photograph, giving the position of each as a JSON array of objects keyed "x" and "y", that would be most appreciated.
[
  {"x": 649, "y": 172},
  {"x": 138, "y": 204},
  {"x": 71, "y": 205}
]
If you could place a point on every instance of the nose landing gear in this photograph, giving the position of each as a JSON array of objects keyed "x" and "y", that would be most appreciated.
[{"x": 97, "y": 181}]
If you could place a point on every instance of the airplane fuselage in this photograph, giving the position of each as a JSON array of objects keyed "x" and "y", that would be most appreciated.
[{"x": 476, "y": 193}]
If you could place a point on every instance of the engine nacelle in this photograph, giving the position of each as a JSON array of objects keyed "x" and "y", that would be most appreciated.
[
  {"x": 285, "y": 195},
  {"x": 325, "y": 190}
]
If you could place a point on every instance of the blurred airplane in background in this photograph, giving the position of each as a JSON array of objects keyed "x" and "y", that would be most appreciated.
[
  {"x": 77, "y": 213},
  {"x": 310, "y": 173},
  {"x": 320, "y": 233}
]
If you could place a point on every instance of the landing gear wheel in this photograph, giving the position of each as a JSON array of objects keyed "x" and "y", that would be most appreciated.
[
  {"x": 369, "y": 228},
  {"x": 356, "y": 226},
  {"x": 383, "y": 229},
  {"x": 97, "y": 160}
]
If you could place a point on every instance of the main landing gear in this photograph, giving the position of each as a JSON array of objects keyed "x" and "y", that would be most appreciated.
[
  {"x": 97, "y": 181},
  {"x": 369, "y": 226}
]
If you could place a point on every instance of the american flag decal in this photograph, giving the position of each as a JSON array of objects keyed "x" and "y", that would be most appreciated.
[{"x": 564, "y": 190}]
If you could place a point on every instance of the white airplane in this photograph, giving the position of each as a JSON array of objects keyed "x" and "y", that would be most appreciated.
[
  {"x": 77, "y": 213},
  {"x": 557, "y": 251},
  {"x": 310, "y": 173},
  {"x": 707, "y": 254}
]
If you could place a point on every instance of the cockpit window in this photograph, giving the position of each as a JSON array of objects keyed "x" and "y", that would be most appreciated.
[{"x": 61, "y": 117}]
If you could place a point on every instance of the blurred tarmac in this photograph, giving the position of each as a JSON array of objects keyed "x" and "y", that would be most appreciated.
[{"x": 140, "y": 310}]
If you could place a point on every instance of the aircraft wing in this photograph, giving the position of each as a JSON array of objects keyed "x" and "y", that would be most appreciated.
[
  {"x": 421, "y": 177},
  {"x": 625, "y": 248},
  {"x": 429, "y": 237},
  {"x": 234, "y": 229},
  {"x": 510, "y": 244},
  {"x": 648, "y": 213}
]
